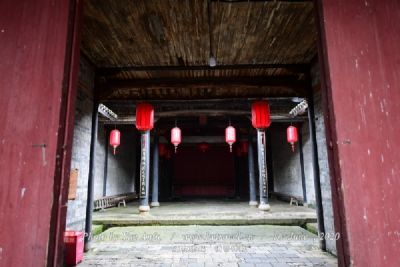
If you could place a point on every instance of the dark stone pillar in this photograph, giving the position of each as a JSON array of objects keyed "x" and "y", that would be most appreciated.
[
  {"x": 107, "y": 133},
  {"x": 89, "y": 201},
  {"x": 144, "y": 172},
  {"x": 315, "y": 165},
  {"x": 262, "y": 167},
  {"x": 252, "y": 180},
  {"x": 303, "y": 175},
  {"x": 154, "y": 195}
]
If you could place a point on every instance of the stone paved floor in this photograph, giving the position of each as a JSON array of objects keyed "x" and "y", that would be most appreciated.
[
  {"x": 206, "y": 212},
  {"x": 255, "y": 245}
]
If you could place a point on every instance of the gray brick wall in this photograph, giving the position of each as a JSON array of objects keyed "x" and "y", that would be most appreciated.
[
  {"x": 323, "y": 162},
  {"x": 121, "y": 166},
  {"x": 308, "y": 168},
  {"x": 101, "y": 145},
  {"x": 324, "y": 172},
  {"x": 81, "y": 146},
  {"x": 286, "y": 164}
]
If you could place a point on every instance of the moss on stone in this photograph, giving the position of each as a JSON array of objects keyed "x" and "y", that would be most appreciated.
[
  {"x": 97, "y": 229},
  {"x": 312, "y": 227}
]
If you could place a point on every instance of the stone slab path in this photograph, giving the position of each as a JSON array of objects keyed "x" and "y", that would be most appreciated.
[{"x": 255, "y": 245}]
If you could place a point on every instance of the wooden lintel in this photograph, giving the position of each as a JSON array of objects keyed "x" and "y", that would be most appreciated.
[
  {"x": 283, "y": 81},
  {"x": 298, "y": 68},
  {"x": 194, "y": 113},
  {"x": 240, "y": 1},
  {"x": 245, "y": 83}
]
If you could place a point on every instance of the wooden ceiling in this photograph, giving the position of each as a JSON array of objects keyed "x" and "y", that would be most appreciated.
[{"x": 159, "y": 49}]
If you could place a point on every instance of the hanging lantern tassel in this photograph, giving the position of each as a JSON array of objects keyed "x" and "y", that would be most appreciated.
[
  {"x": 115, "y": 138},
  {"x": 230, "y": 136},
  {"x": 292, "y": 136},
  {"x": 176, "y": 137}
]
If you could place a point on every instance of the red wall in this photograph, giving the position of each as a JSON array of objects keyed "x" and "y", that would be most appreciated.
[
  {"x": 209, "y": 173},
  {"x": 33, "y": 38},
  {"x": 362, "y": 61}
]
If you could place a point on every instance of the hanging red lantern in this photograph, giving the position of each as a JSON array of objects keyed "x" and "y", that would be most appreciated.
[
  {"x": 260, "y": 115},
  {"x": 115, "y": 139},
  {"x": 144, "y": 117},
  {"x": 203, "y": 147},
  {"x": 230, "y": 136},
  {"x": 162, "y": 149},
  {"x": 244, "y": 147},
  {"x": 292, "y": 136},
  {"x": 176, "y": 137}
]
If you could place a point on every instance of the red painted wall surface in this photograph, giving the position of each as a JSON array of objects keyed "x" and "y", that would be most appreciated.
[
  {"x": 33, "y": 38},
  {"x": 362, "y": 63},
  {"x": 209, "y": 173}
]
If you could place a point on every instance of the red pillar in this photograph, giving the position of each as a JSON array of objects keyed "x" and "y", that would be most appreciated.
[{"x": 360, "y": 42}]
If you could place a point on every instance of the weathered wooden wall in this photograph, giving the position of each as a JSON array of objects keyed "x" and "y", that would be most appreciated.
[
  {"x": 33, "y": 113},
  {"x": 360, "y": 45}
]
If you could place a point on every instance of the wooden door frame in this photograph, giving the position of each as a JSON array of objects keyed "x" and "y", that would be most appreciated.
[
  {"x": 342, "y": 247},
  {"x": 65, "y": 136},
  {"x": 64, "y": 149}
]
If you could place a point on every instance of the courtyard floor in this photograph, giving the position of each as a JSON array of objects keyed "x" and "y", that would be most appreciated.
[
  {"x": 204, "y": 245},
  {"x": 206, "y": 212}
]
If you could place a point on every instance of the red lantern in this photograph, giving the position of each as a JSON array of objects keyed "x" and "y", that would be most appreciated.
[
  {"x": 230, "y": 136},
  {"x": 115, "y": 139},
  {"x": 292, "y": 136},
  {"x": 162, "y": 149},
  {"x": 144, "y": 117},
  {"x": 244, "y": 147},
  {"x": 260, "y": 115},
  {"x": 203, "y": 147},
  {"x": 176, "y": 137}
]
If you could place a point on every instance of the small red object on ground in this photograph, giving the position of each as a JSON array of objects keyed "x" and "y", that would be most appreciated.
[{"x": 73, "y": 247}]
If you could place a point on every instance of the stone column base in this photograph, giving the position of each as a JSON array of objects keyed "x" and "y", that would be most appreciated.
[
  {"x": 264, "y": 207},
  {"x": 155, "y": 204},
  {"x": 87, "y": 246},
  {"x": 144, "y": 208},
  {"x": 253, "y": 203}
]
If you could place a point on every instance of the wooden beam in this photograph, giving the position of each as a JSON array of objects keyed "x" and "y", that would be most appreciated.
[
  {"x": 208, "y": 112},
  {"x": 201, "y": 101},
  {"x": 291, "y": 82},
  {"x": 194, "y": 113},
  {"x": 241, "y": 1},
  {"x": 298, "y": 68},
  {"x": 283, "y": 81}
]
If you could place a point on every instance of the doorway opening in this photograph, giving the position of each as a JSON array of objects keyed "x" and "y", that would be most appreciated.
[{"x": 138, "y": 52}]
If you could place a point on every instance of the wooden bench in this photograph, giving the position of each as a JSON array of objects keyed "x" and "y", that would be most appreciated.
[{"x": 113, "y": 201}]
